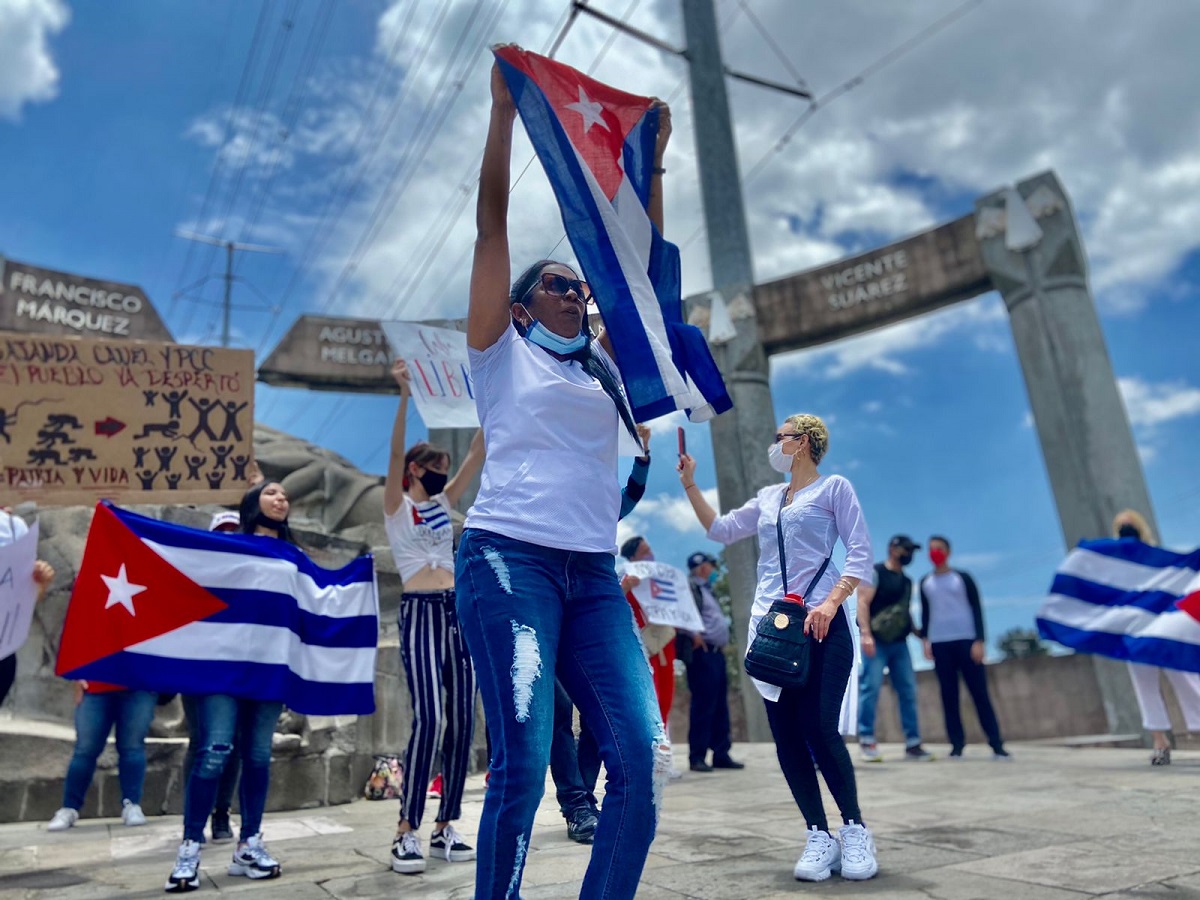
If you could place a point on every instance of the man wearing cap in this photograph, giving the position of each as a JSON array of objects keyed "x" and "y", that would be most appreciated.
[
  {"x": 885, "y": 622},
  {"x": 708, "y": 728}
]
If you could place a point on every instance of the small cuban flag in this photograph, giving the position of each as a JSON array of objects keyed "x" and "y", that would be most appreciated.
[
  {"x": 596, "y": 144},
  {"x": 661, "y": 589},
  {"x": 1128, "y": 600},
  {"x": 161, "y": 607}
]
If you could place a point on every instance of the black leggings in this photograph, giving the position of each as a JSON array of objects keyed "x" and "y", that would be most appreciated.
[
  {"x": 8, "y": 674},
  {"x": 804, "y": 723}
]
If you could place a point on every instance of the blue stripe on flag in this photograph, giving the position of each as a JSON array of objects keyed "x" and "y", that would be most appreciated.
[
  {"x": 1105, "y": 595},
  {"x": 358, "y": 570},
  {"x": 1143, "y": 554},
  {"x": 1150, "y": 651},
  {"x": 252, "y": 607},
  {"x": 251, "y": 681}
]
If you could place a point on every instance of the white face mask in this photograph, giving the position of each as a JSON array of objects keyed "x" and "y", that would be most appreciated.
[{"x": 779, "y": 460}]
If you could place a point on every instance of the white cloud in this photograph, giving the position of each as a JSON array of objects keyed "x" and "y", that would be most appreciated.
[
  {"x": 28, "y": 73},
  {"x": 886, "y": 349},
  {"x": 671, "y": 512},
  {"x": 876, "y": 165},
  {"x": 1152, "y": 404}
]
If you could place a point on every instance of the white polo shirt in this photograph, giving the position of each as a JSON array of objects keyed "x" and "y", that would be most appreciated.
[{"x": 550, "y": 476}]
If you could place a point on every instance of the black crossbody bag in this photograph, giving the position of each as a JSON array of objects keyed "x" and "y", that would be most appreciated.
[{"x": 781, "y": 653}]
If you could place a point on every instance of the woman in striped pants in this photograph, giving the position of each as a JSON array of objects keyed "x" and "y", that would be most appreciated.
[{"x": 417, "y": 499}]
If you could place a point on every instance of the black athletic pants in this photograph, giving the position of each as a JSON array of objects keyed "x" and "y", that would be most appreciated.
[{"x": 804, "y": 723}]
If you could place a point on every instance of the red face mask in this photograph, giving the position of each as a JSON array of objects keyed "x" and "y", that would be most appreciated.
[{"x": 938, "y": 556}]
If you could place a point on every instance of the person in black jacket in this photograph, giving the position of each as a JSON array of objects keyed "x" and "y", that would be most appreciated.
[{"x": 952, "y": 629}]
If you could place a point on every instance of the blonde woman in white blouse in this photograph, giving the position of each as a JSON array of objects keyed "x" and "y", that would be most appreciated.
[{"x": 815, "y": 512}]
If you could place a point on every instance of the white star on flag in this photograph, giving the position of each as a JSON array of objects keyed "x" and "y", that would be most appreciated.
[
  {"x": 590, "y": 110},
  {"x": 121, "y": 591}
]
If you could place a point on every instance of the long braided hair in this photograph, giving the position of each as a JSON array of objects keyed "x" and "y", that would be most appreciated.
[{"x": 589, "y": 356}]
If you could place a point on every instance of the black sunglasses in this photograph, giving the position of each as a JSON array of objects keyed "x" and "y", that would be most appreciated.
[
  {"x": 557, "y": 286},
  {"x": 780, "y": 438}
]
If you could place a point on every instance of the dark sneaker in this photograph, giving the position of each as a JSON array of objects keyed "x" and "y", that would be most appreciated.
[
  {"x": 700, "y": 766},
  {"x": 727, "y": 763},
  {"x": 918, "y": 754},
  {"x": 449, "y": 843},
  {"x": 1161, "y": 756},
  {"x": 581, "y": 825},
  {"x": 185, "y": 876},
  {"x": 407, "y": 858},
  {"x": 956, "y": 752},
  {"x": 252, "y": 860},
  {"x": 1001, "y": 755},
  {"x": 222, "y": 831}
]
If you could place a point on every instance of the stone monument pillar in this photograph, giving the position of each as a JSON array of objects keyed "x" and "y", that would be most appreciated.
[{"x": 1033, "y": 251}]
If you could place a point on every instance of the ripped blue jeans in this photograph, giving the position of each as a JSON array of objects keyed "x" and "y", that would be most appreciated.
[
  {"x": 526, "y": 610},
  {"x": 228, "y": 725}
]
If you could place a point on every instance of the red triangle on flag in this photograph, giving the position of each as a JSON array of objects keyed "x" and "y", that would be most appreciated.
[
  {"x": 1191, "y": 605},
  {"x": 125, "y": 593}
]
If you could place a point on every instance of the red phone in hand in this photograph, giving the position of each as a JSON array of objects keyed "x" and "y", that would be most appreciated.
[{"x": 682, "y": 441}]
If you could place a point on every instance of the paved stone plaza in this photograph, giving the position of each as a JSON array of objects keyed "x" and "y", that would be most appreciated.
[{"x": 1055, "y": 823}]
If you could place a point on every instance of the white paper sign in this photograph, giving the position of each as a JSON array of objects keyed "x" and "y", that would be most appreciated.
[
  {"x": 441, "y": 374},
  {"x": 665, "y": 595},
  {"x": 18, "y": 592}
]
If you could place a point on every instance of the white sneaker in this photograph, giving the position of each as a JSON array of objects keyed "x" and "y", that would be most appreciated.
[
  {"x": 185, "y": 876},
  {"x": 131, "y": 814},
  {"x": 858, "y": 852},
  {"x": 870, "y": 752},
  {"x": 821, "y": 856},
  {"x": 63, "y": 819},
  {"x": 407, "y": 858},
  {"x": 674, "y": 773},
  {"x": 252, "y": 860}
]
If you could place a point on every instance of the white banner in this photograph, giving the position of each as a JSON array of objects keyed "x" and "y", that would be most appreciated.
[
  {"x": 665, "y": 595},
  {"x": 441, "y": 374},
  {"x": 18, "y": 592}
]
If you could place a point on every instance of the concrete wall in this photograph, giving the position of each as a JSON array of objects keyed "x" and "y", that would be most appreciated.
[{"x": 1042, "y": 698}]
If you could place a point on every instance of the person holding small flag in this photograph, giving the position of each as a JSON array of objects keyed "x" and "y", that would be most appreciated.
[
  {"x": 418, "y": 495},
  {"x": 535, "y": 577}
]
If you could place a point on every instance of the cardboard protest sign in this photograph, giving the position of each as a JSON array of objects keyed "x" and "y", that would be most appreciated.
[
  {"x": 83, "y": 419},
  {"x": 441, "y": 374},
  {"x": 18, "y": 591},
  {"x": 665, "y": 595}
]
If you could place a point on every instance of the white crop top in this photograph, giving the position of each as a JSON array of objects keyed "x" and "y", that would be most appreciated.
[
  {"x": 550, "y": 475},
  {"x": 421, "y": 534}
]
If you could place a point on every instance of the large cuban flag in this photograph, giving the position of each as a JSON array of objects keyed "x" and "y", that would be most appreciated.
[
  {"x": 165, "y": 608},
  {"x": 596, "y": 144},
  {"x": 1127, "y": 600}
]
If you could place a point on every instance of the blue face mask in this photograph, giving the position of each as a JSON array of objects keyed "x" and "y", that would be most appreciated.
[
  {"x": 539, "y": 334},
  {"x": 713, "y": 578}
]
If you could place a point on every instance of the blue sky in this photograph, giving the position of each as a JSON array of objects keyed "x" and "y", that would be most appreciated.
[{"x": 115, "y": 117}]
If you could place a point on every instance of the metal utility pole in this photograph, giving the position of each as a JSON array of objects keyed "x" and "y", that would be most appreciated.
[
  {"x": 742, "y": 435},
  {"x": 231, "y": 247}
]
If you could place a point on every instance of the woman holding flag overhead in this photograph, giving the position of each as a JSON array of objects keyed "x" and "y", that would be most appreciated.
[
  {"x": 228, "y": 724},
  {"x": 535, "y": 579},
  {"x": 417, "y": 498}
]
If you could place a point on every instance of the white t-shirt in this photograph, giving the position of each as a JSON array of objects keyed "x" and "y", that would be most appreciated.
[
  {"x": 11, "y": 528},
  {"x": 550, "y": 476},
  {"x": 421, "y": 534},
  {"x": 950, "y": 615}
]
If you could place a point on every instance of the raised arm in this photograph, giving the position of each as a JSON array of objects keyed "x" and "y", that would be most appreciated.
[
  {"x": 471, "y": 464},
  {"x": 655, "y": 208},
  {"x": 393, "y": 485},
  {"x": 635, "y": 486},
  {"x": 488, "y": 314}
]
